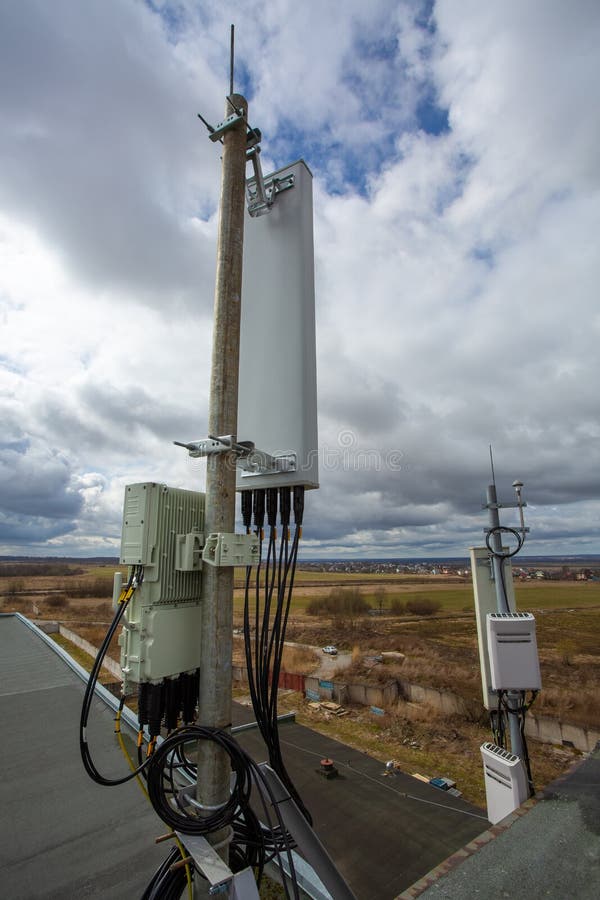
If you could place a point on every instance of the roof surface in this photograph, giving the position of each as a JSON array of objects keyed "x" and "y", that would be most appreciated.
[
  {"x": 63, "y": 836},
  {"x": 383, "y": 832},
  {"x": 549, "y": 848}
]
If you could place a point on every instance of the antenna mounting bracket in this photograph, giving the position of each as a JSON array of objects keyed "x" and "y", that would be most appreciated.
[
  {"x": 248, "y": 458},
  {"x": 260, "y": 191}
]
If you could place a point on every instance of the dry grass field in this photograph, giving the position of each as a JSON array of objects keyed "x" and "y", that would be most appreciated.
[{"x": 440, "y": 650}]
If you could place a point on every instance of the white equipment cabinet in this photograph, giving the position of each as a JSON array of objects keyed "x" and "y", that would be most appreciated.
[
  {"x": 163, "y": 532},
  {"x": 513, "y": 655},
  {"x": 505, "y": 781}
]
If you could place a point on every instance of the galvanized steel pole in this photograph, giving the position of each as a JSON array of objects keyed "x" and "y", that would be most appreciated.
[{"x": 217, "y": 582}]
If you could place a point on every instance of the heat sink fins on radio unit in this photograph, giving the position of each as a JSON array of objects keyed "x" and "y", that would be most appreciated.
[{"x": 163, "y": 531}]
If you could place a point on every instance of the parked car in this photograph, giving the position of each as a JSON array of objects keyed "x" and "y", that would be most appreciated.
[{"x": 330, "y": 650}]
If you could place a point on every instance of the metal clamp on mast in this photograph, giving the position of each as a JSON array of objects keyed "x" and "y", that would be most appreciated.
[
  {"x": 261, "y": 192},
  {"x": 248, "y": 458}
]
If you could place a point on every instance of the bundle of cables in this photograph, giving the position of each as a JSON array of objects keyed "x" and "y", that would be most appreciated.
[
  {"x": 135, "y": 580},
  {"x": 171, "y": 773},
  {"x": 171, "y": 776},
  {"x": 169, "y": 880},
  {"x": 265, "y": 625},
  {"x": 499, "y": 730}
]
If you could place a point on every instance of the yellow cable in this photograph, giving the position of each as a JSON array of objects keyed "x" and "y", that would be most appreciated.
[
  {"x": 132, "y": 766},
  {"x": 125, "y": 752},
  {"x": 188, "y": 871},
  {"x": 140, "y": 738},
  {"x": 125, "y": 596}
]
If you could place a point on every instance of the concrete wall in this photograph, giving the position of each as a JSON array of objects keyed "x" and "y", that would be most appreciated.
[
  {"x": 46, "y": 626},
  {"x": 393, "y": 694},
  {"x": 539, "y": 728},
  {"x": 113, "y": 667},
  {"x": 363, "y": 694},
  {"x": 239, "y": 673},
  {"x": 445, "y": 701},
  {"x": 384, "y": 695},
  {"x": 551, "y": 731}
]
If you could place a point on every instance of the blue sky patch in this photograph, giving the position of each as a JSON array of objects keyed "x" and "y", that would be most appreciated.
[
  {"x": 483, "y": 253},
  {"x": 21, "y": 446},
  {"x": 432, "y": 118}
]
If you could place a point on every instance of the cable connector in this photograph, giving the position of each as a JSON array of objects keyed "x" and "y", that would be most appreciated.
[
  {"x": 285, "y": 507},
  {"x": 299, "y": 506},
  {"x": 247, "y": 510},
  {"x": 258, "y": 504},
  {"x": 156, "y": 707},
  {"x": 272, "y": 507}
]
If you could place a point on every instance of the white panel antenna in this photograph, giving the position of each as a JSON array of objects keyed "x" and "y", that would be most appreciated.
[
  {"x": 277, "y": 407},
  {"x": 484, "y": 589},
  {"x": 512, "y": 648},
  {"x": 505, "y": 781}
]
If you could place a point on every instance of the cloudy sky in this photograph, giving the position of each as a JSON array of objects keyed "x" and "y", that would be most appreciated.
[{"x": 455, "y": 152}]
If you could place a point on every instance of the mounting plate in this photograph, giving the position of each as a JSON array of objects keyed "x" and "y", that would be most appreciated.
[{"x": 231, "y": 550}]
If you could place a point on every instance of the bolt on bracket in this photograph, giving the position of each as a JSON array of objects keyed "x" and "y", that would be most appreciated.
[
  {"x": 251, "y": 460},
  {"x": 231, "y": 550},
  {"x": 260, "y": 191},
  {"x": 225, "y": 125}
]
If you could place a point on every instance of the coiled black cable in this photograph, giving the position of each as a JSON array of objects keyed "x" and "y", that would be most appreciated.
[
  {"x": 172, "y": 797},
  {"x": 503, "y": 529},
  {"x": 501, "y": 555},
  {"x": 162, "y": 784}
]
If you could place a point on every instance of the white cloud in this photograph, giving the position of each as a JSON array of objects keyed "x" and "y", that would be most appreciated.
[{"x": 456, "y": 265}]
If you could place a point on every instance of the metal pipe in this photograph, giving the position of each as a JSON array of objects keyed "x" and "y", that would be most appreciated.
[
  {"x": 309, "y": 844},
  {"x": 496, "y": 544},
  {"x": 516, "y": 739}
]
